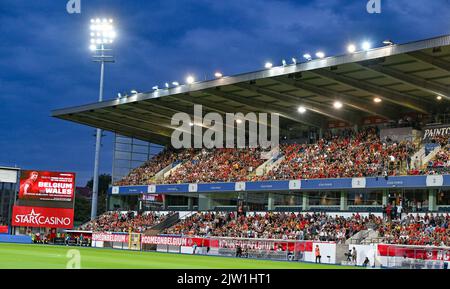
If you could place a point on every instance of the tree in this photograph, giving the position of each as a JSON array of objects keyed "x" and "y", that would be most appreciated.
[{"x": 104, "y": 181}]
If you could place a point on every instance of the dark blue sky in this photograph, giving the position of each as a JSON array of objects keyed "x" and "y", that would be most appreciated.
[{"x": 45, "y": 62}]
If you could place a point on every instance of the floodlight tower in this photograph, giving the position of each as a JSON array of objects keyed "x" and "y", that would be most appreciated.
[{"x": 102, "y": 35}]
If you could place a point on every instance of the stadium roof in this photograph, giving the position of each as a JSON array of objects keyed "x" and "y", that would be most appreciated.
[{"x": 407, "y": 78}]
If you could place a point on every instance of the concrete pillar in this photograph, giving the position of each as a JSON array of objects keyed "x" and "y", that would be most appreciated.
[
  {"x": 432, "y": 204},
  {"x": 190, "y": 203},
  {"x": 164, "y": 202},
  {"x": 305, "y": 203},
  {"x": 320, "y": 133},
  {"x": 385, "y": 198},
  {"x": 344, "y": 201},
  {"x": 271, "y": 202}
]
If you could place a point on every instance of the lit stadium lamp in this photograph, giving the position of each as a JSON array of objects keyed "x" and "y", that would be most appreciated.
[
  {"x": 302, "y": 109},
  {"x": 320, "y": 54},
  {"x": 191, "y": 124},
  {"x": 218, "y": 75},
  {"x": 307, "y": 56},
  {"x": 439, "y": 97},
  {"x": 175, "y": 83},
  {"x": 190, "y": 79},
  {"x": 239, "y": 121},
  {"x": 337, "y": 104},
  {"x": 351, "y": 48},
  {"x": 366, "y": 45},
  {"x": 377, "y": 100},
  {"x": 102, "y": 32},
  {"x": 268, "y": 65}
]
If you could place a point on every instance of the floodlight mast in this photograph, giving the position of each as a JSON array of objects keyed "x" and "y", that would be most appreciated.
[{"x": 102, "y": 34}]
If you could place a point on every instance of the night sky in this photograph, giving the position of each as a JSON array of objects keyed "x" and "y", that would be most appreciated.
[{"x": 45, "y": 62}]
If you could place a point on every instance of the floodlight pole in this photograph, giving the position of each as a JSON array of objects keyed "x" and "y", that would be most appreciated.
[{"x": 102, "y": 58}]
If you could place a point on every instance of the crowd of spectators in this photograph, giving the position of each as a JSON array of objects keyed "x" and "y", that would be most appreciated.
[
  {"x": 143, "y": 175},
  {"x": 428, "y": 229},
  {"x": 287, "y": 226},
  {"x": 115, "y": 221},
  {"x": 440, "y": 164},
  {"x": 347, "y": 155},
  {"x": 218, "y": 165}
]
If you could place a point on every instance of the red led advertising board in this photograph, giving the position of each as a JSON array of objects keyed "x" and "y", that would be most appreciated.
[
  {"x": 42, "y": 217},
  {"x": 47, "y": 186}
]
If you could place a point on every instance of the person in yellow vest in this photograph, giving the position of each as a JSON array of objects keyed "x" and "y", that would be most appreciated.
[{"x": 317, "y": 252}]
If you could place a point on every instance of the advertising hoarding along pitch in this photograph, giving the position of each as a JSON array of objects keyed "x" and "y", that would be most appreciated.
[{"x": 48, "y": 186}]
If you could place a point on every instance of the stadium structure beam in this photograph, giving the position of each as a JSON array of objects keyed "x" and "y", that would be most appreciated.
[
  {"x": 385, "y": 94},
  {"x": 131, "y": 132},
  {"x": 346, "y": 99},
  {"x": 428, "y": 59},
  {"x": 132, "y": 124},
  {"x": 138, "y": 122},
  {"x": 269, "y": 108},
  {"x": 417, "y": 82},
  {"x": 310, "y": 105}
]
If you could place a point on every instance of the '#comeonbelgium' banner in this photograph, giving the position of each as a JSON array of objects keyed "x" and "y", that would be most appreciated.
[
  {"x": 47, "y": 186},
  {"x": 42, "y": 217}
]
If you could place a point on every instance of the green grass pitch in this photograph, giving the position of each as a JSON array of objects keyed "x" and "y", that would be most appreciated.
[{"x": 20, "y": 256}]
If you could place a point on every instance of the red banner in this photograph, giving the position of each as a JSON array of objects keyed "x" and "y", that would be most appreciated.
[
  {"x": 4, "y": 230},
  {"x": 421, "y": 253},
  {"x": 42, "y": 217},
  {"x": 39, "y": 185}
]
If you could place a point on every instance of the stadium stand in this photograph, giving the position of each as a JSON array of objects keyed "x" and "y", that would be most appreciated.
[
  {"x": 319, "y": 226},
  {"x": 116, "y": 221}
]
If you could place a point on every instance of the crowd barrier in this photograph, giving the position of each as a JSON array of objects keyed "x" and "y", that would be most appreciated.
[{"x": 379, "y": 255}]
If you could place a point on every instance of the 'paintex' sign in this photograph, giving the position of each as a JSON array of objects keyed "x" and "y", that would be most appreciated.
[{"x": 42, "y": 217}]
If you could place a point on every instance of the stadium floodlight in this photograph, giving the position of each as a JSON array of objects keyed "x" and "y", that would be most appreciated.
[
  {"x": 294, "y": 60},
  {"x": 366, "y": 45},
  {"x": 284, "y": 62},
  {"x": 190, "y": 79},
  {"x": 218, "y": 74},
  {"x": 351, "y": 48},
  {"x": 175, "y": 83},
  {"x": 439, "y": 97},
  {"x": 377, "y": 100},
  {"x": 302, "y": 109},
  {"x": 268, "y": 65},
  {"x": 238, "y": 121},
  {"x": 307, "y": 56},
  {"x": 337, "y": 104},
  {"x": 191, "y": 124},
  {"x": 102, "y": 34},
  {"x": 320, "y": 54}
]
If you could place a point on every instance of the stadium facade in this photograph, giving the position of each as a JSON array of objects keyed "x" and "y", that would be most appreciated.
[{"x": 380, "y": 87}]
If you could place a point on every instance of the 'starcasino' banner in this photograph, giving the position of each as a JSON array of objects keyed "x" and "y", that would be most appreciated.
[
  {"x": 42, "y": 217},
  {"x": 42, "y": 185}
]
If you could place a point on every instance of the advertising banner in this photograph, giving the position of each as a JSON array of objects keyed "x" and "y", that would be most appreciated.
[
  {"x": 438, "y": 130},
  {"x": 110, "y": 237},
  {"x": 42, "y": 217},
  {"x": 48, "y": 186},
  {"x": 422, "y": 253},
  {"x": 4, "y": 230}
]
